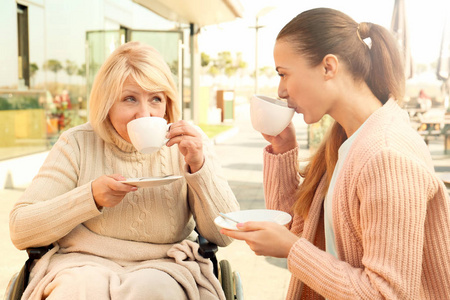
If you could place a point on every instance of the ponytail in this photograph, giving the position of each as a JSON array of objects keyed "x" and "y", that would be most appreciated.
[
  {"x": 386, "y": 78},
  {"x": 321, "y": 163}
]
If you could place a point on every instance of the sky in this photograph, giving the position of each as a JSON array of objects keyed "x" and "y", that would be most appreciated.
[{"x": 425, "y": 20}]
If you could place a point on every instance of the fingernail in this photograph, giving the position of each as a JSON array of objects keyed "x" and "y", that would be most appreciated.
[{"x": 239, "y": 224}]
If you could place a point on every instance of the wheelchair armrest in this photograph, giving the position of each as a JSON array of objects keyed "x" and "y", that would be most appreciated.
[
  {"x": 207, "y": 249},
  {"x": 34, "y": 253},
  {"x": 38, "y": 252}
]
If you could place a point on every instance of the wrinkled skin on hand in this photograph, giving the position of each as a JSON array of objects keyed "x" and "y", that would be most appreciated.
[
  {"x": 189, "y": 142},
  {"x": 108, "y": 191}
]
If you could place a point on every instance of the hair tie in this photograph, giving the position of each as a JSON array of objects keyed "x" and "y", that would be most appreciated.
[{"x": 366, "y": 41}]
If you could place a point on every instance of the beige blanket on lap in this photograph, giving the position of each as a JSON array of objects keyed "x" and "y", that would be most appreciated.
[{"x": 82, "y": 247}]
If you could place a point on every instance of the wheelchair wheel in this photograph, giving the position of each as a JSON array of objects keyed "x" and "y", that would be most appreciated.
[
  {"x": 226, "y": 279},
  {"x": 238, "y": 290}
]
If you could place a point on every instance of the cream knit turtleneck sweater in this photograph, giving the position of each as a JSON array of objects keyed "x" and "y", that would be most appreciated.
[
  {"x": 391, "y": 215},
  {"x": 60, "y": 197}
]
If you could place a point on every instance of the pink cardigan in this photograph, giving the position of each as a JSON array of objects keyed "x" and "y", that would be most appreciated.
[{"x": 391, "y": 216}]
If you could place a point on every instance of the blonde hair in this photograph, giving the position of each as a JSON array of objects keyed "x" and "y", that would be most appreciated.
[
  {"x": 321, "y": 31},
  {"x": 146, "y": 66}
]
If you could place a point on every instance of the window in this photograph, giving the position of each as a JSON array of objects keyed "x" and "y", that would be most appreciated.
[
  {"x": 126, "y": 37},
  {"x": 24, "y": 53}
]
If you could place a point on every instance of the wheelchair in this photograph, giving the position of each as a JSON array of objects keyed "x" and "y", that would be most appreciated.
[{"x": 229, "y": 280}]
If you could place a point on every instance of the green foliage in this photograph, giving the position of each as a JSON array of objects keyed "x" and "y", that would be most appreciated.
[
  {"x": 224, "y": 63},
  {"x": 71, "y": 67},
  {"x": 174, "y": 67},
  {"x": 33, "y": 69},
  {"x": 214, "y": 71},
  {"x": 318, "y": 130},
  {"x": 205, "y": 59},
  {"x": 224, "y": 59},
  {"x": 53, "y": 65},
  {"x": 82, "y": 71},
  {"x": 4, "y": 104},
  {"x": 230, "y": 70},
  {"x": 27, "y": 102},
  {"x": 213, "y": 130},
  {"x": 19, "y": 103},
  {"x": 268, "y": 71}
]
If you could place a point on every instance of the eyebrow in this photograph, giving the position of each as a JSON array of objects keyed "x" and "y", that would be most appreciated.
[{"x": 129, "y": 90}]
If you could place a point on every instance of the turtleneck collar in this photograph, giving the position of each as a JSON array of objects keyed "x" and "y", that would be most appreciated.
[{"x": 118, "y": 140}]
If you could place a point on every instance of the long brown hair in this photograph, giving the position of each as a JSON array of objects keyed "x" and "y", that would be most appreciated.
[{"x": 321, "y": 31}]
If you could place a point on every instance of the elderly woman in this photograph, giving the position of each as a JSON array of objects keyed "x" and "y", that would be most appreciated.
[{"x": 111, "y": 239}]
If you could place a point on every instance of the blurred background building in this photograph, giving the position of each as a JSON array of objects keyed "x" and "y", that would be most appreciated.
[
  {"x": 51, "y": 51},
  {"x": 220, "y": 53}
]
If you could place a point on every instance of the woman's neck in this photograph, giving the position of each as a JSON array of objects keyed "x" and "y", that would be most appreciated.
[{"x": 354, "y": 107}]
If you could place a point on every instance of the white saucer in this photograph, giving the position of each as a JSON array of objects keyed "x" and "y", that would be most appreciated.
[
  {"x": 151, "y": 181},
  {"x": 258, "y": 215}
]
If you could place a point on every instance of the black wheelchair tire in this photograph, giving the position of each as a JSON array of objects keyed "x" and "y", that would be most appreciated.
[{"x": 226, "y": 279}]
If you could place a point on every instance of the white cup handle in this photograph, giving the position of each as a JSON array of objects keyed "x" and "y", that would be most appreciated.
[{"x": 168, "y": 128}]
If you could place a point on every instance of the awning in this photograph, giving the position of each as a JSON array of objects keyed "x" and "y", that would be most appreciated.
[
  {"x": 199, "y": 12},
  {"x": 400, "y": 30}
]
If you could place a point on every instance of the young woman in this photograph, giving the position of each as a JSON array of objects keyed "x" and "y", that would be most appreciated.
[
  {"x": 112, "y": 240},
  {"x": 371, "y": 220}
]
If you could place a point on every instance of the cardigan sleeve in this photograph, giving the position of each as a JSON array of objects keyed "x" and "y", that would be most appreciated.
[
  {"x": 281, "y": 179},
  {"x": 53, "y": 204},
  {"x": 209, "y": 193},
  {"x": 392, "y": 192}
]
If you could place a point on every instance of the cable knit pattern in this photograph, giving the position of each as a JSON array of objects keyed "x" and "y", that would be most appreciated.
[
  {"x": 391, "y": 215},
  {"x": 60, "y": 198}
]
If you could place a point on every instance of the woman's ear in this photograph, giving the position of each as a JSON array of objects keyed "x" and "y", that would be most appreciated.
[{"x": 330, "y": 65}]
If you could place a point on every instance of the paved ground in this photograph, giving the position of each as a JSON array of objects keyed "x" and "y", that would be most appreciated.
[
  {"x": 241, "y": 156},
  {"x": 240, "y": 151}
]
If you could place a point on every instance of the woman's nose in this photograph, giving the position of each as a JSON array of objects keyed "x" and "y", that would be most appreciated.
[
  {"x": 282, "y": 92},
  {"x": 144, "y": 111}
]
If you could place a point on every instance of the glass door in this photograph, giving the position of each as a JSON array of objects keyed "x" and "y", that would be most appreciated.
[
  {"x": 169, "y": 44},
  {"x": 99, "y": 45}
]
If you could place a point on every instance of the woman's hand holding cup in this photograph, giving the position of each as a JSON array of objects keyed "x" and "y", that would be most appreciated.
[
  {"x": 189, "y": 142},
  {"x": 272, "y": 117},
  {"x": 149, "y": 134},
  {"x": 284, "y": 141}
]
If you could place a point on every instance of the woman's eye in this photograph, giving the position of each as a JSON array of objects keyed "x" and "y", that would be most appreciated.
[
  {"x": 156, "y": 99},
  {"x": 281, "y": 75},
  {"x": 129, "y": 99}
]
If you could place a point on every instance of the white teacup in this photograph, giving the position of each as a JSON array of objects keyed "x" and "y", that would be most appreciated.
[
  {"x": 269, "y": 115},
  {"x": 148, "y": 134}
]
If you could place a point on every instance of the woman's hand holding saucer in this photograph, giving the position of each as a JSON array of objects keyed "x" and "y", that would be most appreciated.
[
  {"x": 108, "y": 191},
  {"x": 264, "y": 238}
]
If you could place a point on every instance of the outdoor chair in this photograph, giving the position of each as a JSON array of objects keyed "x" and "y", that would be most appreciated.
[
  {"x": 434, "y": 128},
  {"x": 229, "y": 280}
]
